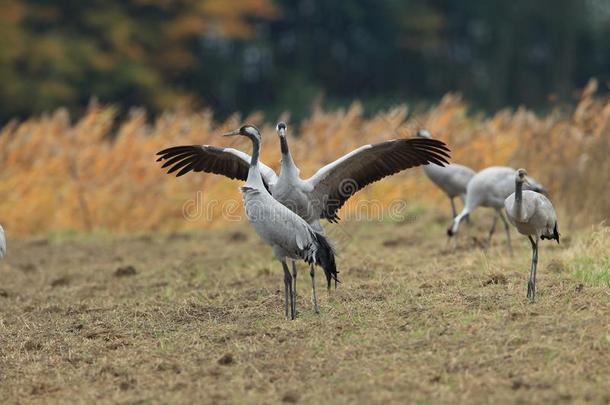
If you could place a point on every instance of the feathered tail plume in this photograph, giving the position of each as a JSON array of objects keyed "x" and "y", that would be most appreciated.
[
  {"x": 554, "y": 236},
  {"x": 325, "y": 258}
]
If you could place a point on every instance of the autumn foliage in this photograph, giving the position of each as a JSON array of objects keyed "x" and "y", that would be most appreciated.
[
  {"x": 132, "y": 51},
  {"x": 97, "y": 173}
]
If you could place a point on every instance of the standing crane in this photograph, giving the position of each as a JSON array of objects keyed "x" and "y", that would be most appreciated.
[
  {"x": 489, "y": 188},
  {"x": 323, "y": 194},
  {"x": 534, "y": 216},
  {"x": 2, "y": 243},
  {"x": 290, "y": 236},
  {"x": 452, "y": 178}
]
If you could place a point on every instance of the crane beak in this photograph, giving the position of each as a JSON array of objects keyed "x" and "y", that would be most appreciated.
[
  {"x": 282, "y": 132},
  {"x": 232, "y": 133}
]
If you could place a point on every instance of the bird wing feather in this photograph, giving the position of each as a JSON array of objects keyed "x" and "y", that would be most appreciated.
[
  {"x": 229, "y": 162},
  {"x": 336, "y": 182}
]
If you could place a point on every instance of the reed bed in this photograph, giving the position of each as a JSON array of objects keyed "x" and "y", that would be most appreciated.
[{"x": 99, "y": 172}]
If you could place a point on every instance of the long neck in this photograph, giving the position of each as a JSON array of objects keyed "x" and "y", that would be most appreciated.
[
  {"x": 256, "y": 148},
  {"x": 288, "y": 166},
  {"x": 518, "y": 199},
  {"x": 254, "y": 174}
]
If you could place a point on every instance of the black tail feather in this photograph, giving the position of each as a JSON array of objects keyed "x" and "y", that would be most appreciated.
[
  {"x": 325, "y": 258},
  {"x": 554, "y": 236}
]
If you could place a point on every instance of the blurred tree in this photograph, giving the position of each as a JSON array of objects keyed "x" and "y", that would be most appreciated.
[
  {"x": 277, "y": 55},
  {"x": 128, "y": 51},
  {"x": 341, "y": 49},
  {"x": 498, "y": 53}
]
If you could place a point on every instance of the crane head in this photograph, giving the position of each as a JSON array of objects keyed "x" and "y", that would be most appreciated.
[
  {"x": 521, "y": 176},
  {"x": 249, "y": 131},
  {"x": 531, "y": 184},
  {"x": 281, "y": 129},
  {"x": 424, "y": 133}
]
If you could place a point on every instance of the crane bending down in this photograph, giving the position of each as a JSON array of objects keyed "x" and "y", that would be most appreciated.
[
  {"x": 489, "y": 188},
  {"x": 534, "y": 216},
  {"x": 323, "y": 194},
  {"x": 452, "y": 178},
  {"x": 2, "y": 243},
  {"x": 288, "y": 234}
]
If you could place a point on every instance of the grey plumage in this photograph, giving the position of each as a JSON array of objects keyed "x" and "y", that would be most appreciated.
[
  {"x": 290, "y": 236},
  {"x": 453, "y": 179},
  {"x": 323, "y": 194},
  {"x": 489, "y": 188},
  {"x": 2, "y": 243},
  {"x": 534, "y": 216}
]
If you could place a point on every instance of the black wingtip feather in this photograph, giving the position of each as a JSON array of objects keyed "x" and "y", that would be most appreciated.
[
  {"x": 186, "y": 162},
  {"x": 431, "y": 142},
  {"x": 325, "y": 258},
  {"x": 434, "y": 150}
]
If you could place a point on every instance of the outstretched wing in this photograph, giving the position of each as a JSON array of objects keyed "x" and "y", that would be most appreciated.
[
  {"x": 228, "y": 162},
  {"x": 336, "y": 182}
]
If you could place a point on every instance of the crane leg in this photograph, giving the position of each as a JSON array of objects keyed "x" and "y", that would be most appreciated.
[
  {"x": 453, "y": 207},
  {"x": 288, "y": 306},
  {"x": 492, "y": 230},
  {"x": 314, "y": 298},
  {"x": 294, "y": 287},
  {"x": 507, "y": 228},
  {"x": 531, "y": 284},
  {"x": 467, "y": 217},
  {"x": 453, "y": 211}
]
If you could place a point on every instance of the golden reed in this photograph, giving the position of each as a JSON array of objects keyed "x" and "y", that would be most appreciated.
[{"x": 98, "y": 173}]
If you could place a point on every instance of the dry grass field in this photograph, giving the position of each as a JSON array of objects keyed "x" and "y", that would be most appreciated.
[{"x": 196, "y": 317}]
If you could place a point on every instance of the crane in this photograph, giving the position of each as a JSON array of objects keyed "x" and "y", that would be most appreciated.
[
  {"x": 323, "y": 194},
  {"x": 290, "y": 236},
  {"x": 534, "y": 216},
  {"x": 489, "y": 188}
]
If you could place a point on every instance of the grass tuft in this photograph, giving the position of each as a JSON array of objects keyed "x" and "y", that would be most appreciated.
[{"x": 588, "y": 259}]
